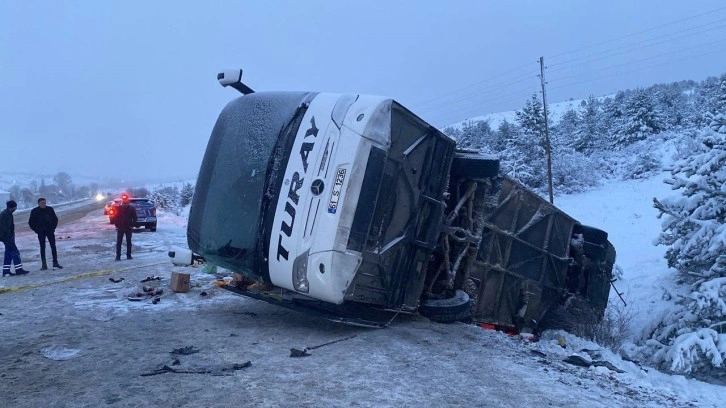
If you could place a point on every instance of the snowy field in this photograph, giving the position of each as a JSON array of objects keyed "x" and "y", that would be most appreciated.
[{"x": 71, "y": 338}]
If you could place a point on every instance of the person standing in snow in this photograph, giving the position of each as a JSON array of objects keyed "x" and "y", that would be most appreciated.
[
  {"x": 7, "y": 236},
  {"x": 43, "y": 222},
  {"x": 125, "y": 220}
]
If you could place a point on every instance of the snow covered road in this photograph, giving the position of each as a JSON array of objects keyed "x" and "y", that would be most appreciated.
[{"x": 71, "y": 338}]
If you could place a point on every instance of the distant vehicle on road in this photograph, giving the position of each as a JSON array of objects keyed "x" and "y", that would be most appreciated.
[
  {"x": 145, "y": 211},
  {"x": 109, "y": 205}
]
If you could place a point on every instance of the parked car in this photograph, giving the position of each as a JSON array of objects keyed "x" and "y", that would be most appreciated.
[
  {"x": 145, "y": 212},
  {"x": 109, "y": 205}
]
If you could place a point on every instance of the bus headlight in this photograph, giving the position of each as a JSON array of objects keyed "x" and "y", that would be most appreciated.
[{"x": 300, "y": 273}]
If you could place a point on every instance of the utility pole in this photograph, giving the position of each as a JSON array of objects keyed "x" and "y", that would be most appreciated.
[{"x": 547, "y": 130}]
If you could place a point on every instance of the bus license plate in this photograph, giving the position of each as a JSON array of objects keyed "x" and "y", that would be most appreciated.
[{"x": 337, "y": 188}]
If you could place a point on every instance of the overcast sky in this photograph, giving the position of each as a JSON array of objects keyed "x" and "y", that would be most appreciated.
[{"x": 128, "y": 88}]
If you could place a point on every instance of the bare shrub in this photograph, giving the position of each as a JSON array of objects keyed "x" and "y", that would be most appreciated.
[{"x": 578, "y": 318}]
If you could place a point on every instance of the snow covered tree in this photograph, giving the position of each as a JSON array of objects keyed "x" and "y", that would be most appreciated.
[
  {"x": 531, "y": 119},
  {"x": 645, "y": 164},
  {"x": 63, "y": 180},
  {"x": 187, "y": 192},
  {"x": 572, "y": 171},
  {"x": 15, "y": 193},
  {"x": 43, "y": 189},
  {"x": 27, "y": 197},
  {"x": 475, "y": 135},
  {"x": 720, "y": 99},
  {"x": 693, "y": 340},
  {"x": 567, "y": 129},
  {"x": 590, "y": 132},
  {"x": 82, "y": 192},
  {"x": 523, "y": 156},
  {"x": 709, "y": 97},
  {"x": 672, "y": 106},
  {"x": 638, "y": 121},
  {"x": 166, "y": 198},
  {"x": 452, "y": 132}
]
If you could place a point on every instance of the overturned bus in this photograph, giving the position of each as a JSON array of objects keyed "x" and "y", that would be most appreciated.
[{"x": 352, "y": 207}]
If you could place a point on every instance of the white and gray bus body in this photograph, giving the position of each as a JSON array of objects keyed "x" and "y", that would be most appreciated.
[{"x": 337, "y": 200}]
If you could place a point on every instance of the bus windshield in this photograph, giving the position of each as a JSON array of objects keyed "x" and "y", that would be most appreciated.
[{"x": 237, "y": 178}]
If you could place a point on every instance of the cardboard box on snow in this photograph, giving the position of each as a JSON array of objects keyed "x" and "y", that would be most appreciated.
[{"x": 179, "y": 282}]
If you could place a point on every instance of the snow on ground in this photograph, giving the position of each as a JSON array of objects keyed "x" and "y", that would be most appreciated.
[
  {"x": 412, "y": 363},
  {"x": 554, "y": 113},
  {"x": 625, "y": 210}
]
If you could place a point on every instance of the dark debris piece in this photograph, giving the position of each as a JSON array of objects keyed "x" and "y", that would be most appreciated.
[
  {"x": 151, "y": 278},
  {"x": 251, "y": 314},
  {"x": 299, "y": 353},
  {"x": 217, "y": 370},
  {"x": 577, "y": 360},
  {"x": 116, "y": 280},
  {"x": 539, "y": 353},
  {"x": 184, "y": 351},
  {"x": 607, "y": 365}
]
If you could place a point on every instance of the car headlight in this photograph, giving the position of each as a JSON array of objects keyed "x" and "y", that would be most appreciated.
[{"x": 300, "y": 273}]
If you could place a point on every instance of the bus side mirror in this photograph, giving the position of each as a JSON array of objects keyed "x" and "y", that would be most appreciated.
[{"x": 233, "y": 78}]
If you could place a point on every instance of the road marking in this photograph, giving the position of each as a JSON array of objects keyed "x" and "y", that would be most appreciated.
[{"x": 74, "y": 277}]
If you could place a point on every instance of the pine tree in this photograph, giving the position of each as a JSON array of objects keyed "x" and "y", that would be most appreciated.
[
  {"x": 672, "y": 106},
  {"x": 568, "y": 130},
  {"x": 475, "y": 135},
  {"x": 707, "y": 98},
  {"x": 531, "y": 119},
  {"x": 638, "y": 121},
  {"x": 590, "y": 134},
  {"x": 185, "y": 197},
  {"x": 694, "y": 227},
  {"x": 522, "y": 155}
]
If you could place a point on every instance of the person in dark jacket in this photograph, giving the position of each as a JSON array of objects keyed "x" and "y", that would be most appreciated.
[
  {"x": 43, "y": 222},
  {"x": 7, "y": 236},
  {"x": 125, "y": 220}
]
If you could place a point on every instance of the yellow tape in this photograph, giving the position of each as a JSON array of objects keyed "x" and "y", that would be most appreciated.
[{"x": 74, "y": 277}]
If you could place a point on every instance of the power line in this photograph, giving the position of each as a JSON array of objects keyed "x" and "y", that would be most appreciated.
[
  {"x": 503, "y": 88},
  {"x": 635, "y": 46},
  {"x": 467, "y": 101},
  {"x": 639, "y": 32},
  {"x": 636, "y": 70},
  {"x": 719, "y": 41},
  {"x": 451, "y": 119},
  {"x": 470, "y": 91},
  {"x": 508, "y": 72},
  {"x": 457, "y": 97}
]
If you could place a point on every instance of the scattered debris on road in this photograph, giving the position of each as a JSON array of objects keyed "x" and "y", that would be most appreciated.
[
  {"x": 223, "y": 370},
  {"x": 184, "y": 351},
  {"x": 59, "y": 353},
  {"x": 294, "y": 352}
]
